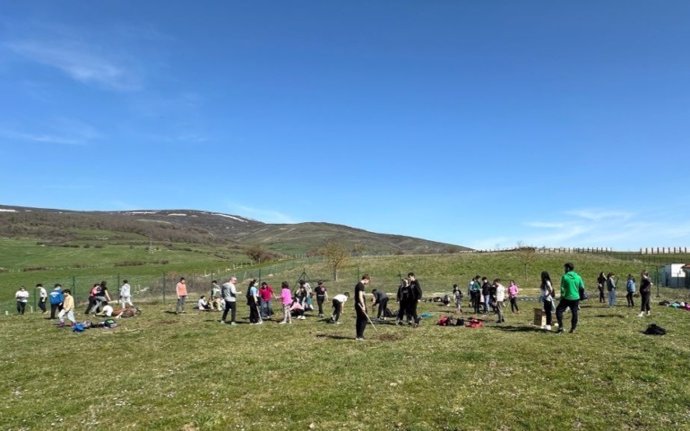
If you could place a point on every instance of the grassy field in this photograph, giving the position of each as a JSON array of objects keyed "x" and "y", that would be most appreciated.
[
  {"x": 167, "y": 372},
  {"x": 162, "y": 371}
]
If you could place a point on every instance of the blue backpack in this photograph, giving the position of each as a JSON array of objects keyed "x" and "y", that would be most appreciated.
[{"x": 78, "y": 327}]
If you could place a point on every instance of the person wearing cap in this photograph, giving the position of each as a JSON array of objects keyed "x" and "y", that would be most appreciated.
[{"x": 571, "y": 283}]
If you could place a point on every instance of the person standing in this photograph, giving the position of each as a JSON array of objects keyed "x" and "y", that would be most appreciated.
[
  {"x": 404, "y": 297},
  {"x": 22, "y": 297},
  {"x": 457, "y": 295},
  {"x": 321, "y": 296},
  {"x": 253, "y": 303},
  {"x": 547, "y": 298},
  {"x": 56, "y": 298},
  {"x": 126, "y": 294},
  {"x": 475, "y": 293},
  {"x": 42, "y": 298},
  {"x": 361, "y": 307},
  {"x": 571, "y": 282},
  {"x": 266, "y": 296},
  {"x": 416, "y": 297},
  {"x": 67, "y": 308},
  {"x": 229, "y": 294},
  {"x": 286, "y": 301},
  {"x": 485, "y": 295},
  {"x": 380, "y": 300},
  {"x": 601, "y": 285},
  {"x": 500, "y": 298},
  {"x": 630, "y": 290},
  {"x": 181, "y": 290},
  {"x": 513, "y": 290},
  {"x": 611, "y": 288},
  {"x": 645, "y": 293}
]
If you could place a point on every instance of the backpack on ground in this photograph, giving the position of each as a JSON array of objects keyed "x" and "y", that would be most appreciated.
[
  {"x": 654, "y": 329},
  {"x": 78, "y": 327},
  {"x": 388, "y": 313}
]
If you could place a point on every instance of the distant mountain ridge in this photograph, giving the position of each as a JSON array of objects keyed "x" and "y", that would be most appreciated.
[{"x": 201, "y": 227}]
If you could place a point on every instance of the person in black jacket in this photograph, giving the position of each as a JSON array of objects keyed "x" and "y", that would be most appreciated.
[
  {"x": 416, "y": 297},
  {"x": 404, "y": 298}
]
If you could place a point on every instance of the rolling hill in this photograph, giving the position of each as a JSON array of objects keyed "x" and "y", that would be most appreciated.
[{"x": 199, "y": 227}]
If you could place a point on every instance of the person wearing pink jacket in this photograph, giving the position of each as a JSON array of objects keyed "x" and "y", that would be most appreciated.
[
  {"x": 286, "y": 300},
  {"x": 513, "y": 290}
]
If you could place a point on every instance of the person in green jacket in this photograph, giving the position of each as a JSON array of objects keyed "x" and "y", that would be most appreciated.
[{"x": 571, "y": 283}]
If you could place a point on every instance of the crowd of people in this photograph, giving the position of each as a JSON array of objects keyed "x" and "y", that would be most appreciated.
[
  {"x": 62, "y": 303},
  {"x": 484, "y": 297}
]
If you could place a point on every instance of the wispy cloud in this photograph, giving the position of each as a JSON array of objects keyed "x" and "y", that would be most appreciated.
[
  {"x": 264, "y": 215},
  {"x": 58, "y": 131},
  {"x": 610, "y": 228},
  {"x": 79, "y": 61}
]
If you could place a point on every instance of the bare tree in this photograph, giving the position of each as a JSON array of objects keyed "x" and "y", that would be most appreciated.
[
  {"x": 527, "y": 256},
  {"x": 336, "y": 254}
]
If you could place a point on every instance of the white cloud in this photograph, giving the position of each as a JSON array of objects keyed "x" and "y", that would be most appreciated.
[{"x": 78, "y": 61}]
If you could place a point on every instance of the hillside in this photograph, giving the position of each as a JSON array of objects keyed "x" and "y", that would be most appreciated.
[{"x": 198, "y": 227}]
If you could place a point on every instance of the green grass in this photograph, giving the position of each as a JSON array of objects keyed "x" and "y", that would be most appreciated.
[{"x": 163, "y": 371}]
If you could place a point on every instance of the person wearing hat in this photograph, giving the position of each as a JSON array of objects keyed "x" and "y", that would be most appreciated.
[
  {"x": 321, "y": 296},
  {"x": 571, "y": 283}
]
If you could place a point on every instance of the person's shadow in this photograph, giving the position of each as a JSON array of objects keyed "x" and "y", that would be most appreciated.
[{"x": 334, "y": 337}]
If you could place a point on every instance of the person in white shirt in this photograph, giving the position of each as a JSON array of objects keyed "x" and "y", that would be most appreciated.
[
  {"x": 22, "y": 297},
  {"x": 42, "y": 297},
  {"x": 106, "y": 311},
  {"x": 500, "y": 297},
  {"x": 126, "y": 294},
  {"x": 202, "y": 304},
  {"x": 338, "y": 301}
]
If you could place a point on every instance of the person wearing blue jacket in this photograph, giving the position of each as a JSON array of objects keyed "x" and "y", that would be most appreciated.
[
  {"x": 56, "y": 300},
  {"x": 630, "y": 288}
]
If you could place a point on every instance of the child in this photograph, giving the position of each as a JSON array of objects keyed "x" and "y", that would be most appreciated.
[
  {"x": 457, "y": 294},
  {"x": 513, "y": 290},
  {"x": 286, "y": 300},
  {"x": 630, "y": 287},
  {"x": 500, "y": 297},
  {"x": 67, "y": 308},
  {"x": 203, "y": 304}
]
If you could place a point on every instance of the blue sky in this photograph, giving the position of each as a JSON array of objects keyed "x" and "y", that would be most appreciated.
[{"x": 483, "y": 124}]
